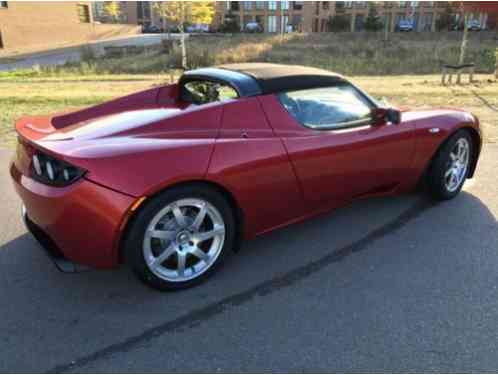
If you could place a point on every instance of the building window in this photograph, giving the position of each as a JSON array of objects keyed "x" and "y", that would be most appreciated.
[
  {"x": 427, "y": 21},
  {"x": 402, "y": 4},
  {"x": 84, "y": 13},
  {"x": 272, "y": 24},
  {"x": 234, "y": 6},
  {"x": 348, "y": 4},
  {"x": 315, "y": 25},
  {"x": 296, "y": 22},
  {"x": 414, "y": 4},
  {"x": 359, "y": 22},
  {"x": 325, "y": 5},
  {"x": 260, "y": 5},
  {"x": 247, "y": 5},
  {"x": 284, "y": 5},
  {"x": 146, "y": 6},
  {"x": 297, "y": 5},
  {"x": 285, "y": 24},
  {"x": 272, "y": 5},
  {"x": 3, "y": 4},
  {"x": 143, "y": 10}
]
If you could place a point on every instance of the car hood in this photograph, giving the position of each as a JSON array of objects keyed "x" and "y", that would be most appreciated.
[{"x": 445, "y": 114}]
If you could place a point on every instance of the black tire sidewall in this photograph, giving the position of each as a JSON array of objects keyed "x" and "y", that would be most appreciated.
[
  {"x": 438, "y": 168},
  {"x": 133, "y": 243}
]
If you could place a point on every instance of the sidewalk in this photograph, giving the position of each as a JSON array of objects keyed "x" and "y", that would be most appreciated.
[{"x": 61, "y": 55}]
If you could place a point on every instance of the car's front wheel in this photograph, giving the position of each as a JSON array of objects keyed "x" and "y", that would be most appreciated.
[
  {"x": 180, "y": 237},
  {"x": 451, "y": 166}
]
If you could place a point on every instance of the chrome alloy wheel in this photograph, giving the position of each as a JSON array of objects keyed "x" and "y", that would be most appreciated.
[
  {"x": 457, "y": 165},
  {"x": 183, "y": 240}
]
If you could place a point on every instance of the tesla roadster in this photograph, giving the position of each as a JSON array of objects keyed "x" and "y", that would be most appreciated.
[{"x": 171, "y": 179}]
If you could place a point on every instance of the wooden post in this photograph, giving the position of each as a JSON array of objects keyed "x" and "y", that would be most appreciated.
[
  {"x": 445, "y": 73},
  {"x": 496, "y": 64}
]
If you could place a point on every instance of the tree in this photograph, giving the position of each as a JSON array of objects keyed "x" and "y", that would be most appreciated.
[
  {"x": 373, "y": 21},
  {"x": 183, "y": 13},
  {"x": 445, "y": 20},
  {"x": 230, "y": 24},
  {"x": 339, "y": 22},
  {"x": 113, "y": 10},
  {"x": 466, "y": 8}
]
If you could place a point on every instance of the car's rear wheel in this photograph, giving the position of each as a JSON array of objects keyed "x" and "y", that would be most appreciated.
[
  {"x": 450, "y": 167},
  {"x": 180, "y": 237}
]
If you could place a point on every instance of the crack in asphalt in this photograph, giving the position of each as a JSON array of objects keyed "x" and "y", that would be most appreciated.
[{"x": 200, "y": 315}]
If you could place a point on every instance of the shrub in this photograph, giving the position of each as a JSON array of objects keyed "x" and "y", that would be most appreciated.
[
  {"x": 87, "y": 53},
  {"x": 373, "y": 21},
  {"x": 339, "y": 22}
]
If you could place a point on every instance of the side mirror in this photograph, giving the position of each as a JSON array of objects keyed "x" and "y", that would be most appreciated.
[
  {"x": 393, "y": 116},
  {"x": 380, "y": 116}
]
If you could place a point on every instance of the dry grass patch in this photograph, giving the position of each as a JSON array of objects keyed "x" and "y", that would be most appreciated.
[{"x": 28, "y": 96}]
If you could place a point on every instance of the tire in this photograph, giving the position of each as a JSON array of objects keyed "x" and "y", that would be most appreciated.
[
  {"x": 166, "y": 227},
  {"x": 444, "y": 167}
]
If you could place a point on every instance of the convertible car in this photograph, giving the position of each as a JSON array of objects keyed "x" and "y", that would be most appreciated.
[{"x": 171, "y": 179}]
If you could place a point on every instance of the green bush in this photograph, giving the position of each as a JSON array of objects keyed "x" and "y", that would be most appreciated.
[
  {"x": 373, "y": 21},
  {"x": 339, "y": 22}
]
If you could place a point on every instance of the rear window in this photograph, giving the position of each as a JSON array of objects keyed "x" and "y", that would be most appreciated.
[{"x": 203, "y": 92}]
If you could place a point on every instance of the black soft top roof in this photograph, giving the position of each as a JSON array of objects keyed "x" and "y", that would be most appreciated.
[{"x": 250, "y": 79}]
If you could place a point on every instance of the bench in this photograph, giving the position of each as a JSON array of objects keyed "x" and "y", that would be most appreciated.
[{"x": 449, "y": 70}]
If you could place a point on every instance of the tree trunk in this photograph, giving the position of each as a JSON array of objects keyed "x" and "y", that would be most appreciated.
[
  {"x": 184, "y": 48},
  {"x": 386, "y": 29},
  {"x": 463, "y": 47}
]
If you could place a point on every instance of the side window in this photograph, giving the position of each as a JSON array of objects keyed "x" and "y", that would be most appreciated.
[
  {"x": 203, "y": 92},
  {"x": 328, "y": 108}
]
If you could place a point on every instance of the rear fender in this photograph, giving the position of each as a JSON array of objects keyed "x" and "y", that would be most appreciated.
[{"x": 165, "y": 95}]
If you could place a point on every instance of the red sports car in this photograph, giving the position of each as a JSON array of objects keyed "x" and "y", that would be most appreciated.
[{"x": 171, "y": 179}]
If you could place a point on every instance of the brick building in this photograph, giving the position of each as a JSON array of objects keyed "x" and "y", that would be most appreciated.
[
  {"x": 314, "y": 16},
  {"x": 39, "y": 25}
]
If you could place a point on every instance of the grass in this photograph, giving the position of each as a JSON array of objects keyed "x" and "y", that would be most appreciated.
[
  {"x": 347, "y": 53},
  {"x": 42, "y": 95},
  {"x": 403, "y": 70}
]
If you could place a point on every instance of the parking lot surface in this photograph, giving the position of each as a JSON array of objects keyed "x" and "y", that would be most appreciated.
[{"x": 389, "y": 284}]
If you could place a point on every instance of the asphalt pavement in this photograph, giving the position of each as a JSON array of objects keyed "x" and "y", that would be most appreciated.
[{"x": 388, "y": 284}]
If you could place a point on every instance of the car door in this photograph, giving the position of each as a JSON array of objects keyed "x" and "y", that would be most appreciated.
[{"x": 336, "y": 150}]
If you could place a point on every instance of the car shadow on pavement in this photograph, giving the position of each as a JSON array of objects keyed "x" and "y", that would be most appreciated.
[
  {"x": 327, "y": 238},
  {"x": 413, "y": 242}
]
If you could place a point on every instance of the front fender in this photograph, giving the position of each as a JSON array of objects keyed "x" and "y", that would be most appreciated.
[{"x": 432, "y": 130}]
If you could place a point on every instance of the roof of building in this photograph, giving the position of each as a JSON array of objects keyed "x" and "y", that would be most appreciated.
[{"x": 250, "y": 79}]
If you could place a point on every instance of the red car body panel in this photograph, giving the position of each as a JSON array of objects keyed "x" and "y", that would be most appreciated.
[
  {"x": 251, "y": 163},
  {"x": 83, "y": 219},
  {"x": 276, "y": 170},
  {"x": 335, "y": 166}
]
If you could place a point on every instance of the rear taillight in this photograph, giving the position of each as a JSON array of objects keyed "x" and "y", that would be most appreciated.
[{"x": 51, "y": 171}]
